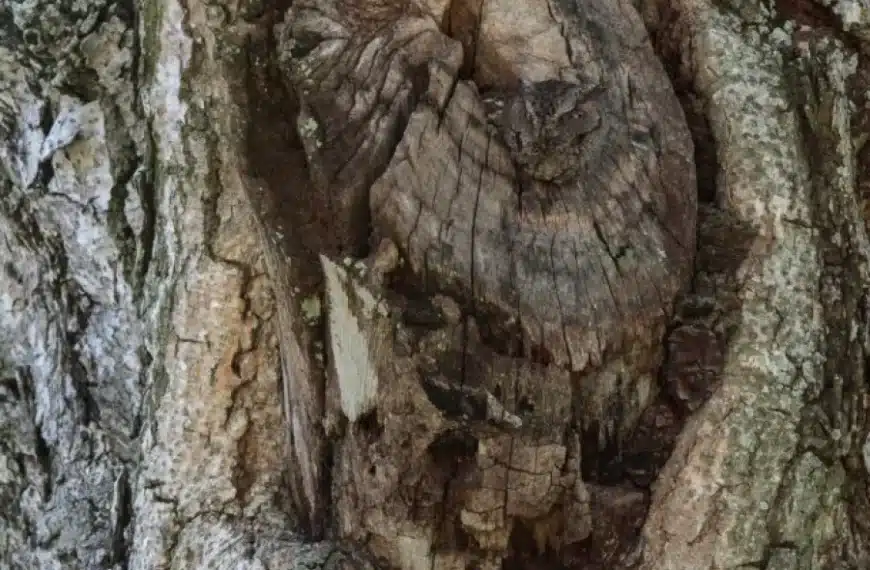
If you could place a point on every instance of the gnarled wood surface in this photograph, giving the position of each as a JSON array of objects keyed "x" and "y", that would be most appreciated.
[
  {"x": 578, "y": 269},
  {"x": 514, "y": 326}
]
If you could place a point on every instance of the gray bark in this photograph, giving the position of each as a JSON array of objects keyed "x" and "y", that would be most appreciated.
[{"x": 274, "y": 293}]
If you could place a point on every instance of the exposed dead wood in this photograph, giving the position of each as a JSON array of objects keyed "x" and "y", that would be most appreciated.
[{"x": 510, "y": 321}]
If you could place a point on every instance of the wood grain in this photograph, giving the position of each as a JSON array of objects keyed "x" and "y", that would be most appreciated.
[{"x": 519, "y": 322}]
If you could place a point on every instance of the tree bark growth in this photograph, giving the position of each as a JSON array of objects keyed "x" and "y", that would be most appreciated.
[{"x": 277, "y": 292}]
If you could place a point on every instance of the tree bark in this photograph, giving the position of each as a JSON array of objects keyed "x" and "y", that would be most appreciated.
[{"x": 277, "y": 291}]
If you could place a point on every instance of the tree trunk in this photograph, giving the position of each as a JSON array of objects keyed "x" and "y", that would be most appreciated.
[{"x": 434, "y": 285}]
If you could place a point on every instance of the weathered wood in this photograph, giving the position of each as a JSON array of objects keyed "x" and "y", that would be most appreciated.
[
  {"x": 508, "y": 315},
  {"x": 582, "y": 268}
]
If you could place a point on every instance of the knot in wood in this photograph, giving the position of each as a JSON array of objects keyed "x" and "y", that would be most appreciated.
[{"x": 572, "y": 228}]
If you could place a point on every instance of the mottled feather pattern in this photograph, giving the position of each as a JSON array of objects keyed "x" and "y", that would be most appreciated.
[{"x": 546, "y": 119}]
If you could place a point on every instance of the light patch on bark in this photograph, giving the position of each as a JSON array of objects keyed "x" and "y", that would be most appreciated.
[
  {"x": 19, "y": 155},
  {"x": 506, "y": 44},
  {"x": 854, "y": 13},
  {"x": 162, "y": 99},
  {"x": 73, "y": 120},
  {"x": 352, "y": 310},
  {"x": 414, "y": 552}
]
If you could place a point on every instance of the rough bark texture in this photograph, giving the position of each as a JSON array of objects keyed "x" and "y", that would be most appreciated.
[
  {"x": 271, "y": 274},
  {"x": 141, "y": 426}
]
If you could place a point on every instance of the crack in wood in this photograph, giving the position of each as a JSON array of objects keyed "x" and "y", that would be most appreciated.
[{"x": 555, "y": 273}]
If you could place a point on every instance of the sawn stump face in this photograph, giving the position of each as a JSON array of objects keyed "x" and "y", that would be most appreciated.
[{"x": 517, "y": 298}]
